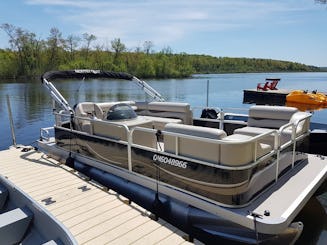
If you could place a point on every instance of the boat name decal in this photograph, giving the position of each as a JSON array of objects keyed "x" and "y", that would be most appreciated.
[
  {"x": 88, "y": 71},
  {"x": 170, "y": 161}
]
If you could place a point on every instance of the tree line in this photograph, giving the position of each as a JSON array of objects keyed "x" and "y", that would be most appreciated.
[{"x": 30, "y": 56}]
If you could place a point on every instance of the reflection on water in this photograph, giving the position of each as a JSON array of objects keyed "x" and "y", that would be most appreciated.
[
  {"x": 314, "y": 218},
  {"x": 32, "y": 109}
]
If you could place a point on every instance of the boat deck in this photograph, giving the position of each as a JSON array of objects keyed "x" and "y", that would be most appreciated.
[
  {"x": 285, "y": 199},
  {"x": 92, "y": 214}
]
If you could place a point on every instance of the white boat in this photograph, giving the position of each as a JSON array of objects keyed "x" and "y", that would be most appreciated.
[{"x": 244, "y": 182}]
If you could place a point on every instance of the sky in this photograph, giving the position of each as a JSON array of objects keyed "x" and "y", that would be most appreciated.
[{"x": 291, "y": 30}]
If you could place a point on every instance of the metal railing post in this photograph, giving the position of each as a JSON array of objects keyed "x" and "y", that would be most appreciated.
[{"x": 11, "y": 122}]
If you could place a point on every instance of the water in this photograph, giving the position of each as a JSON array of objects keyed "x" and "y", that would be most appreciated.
[{"x": 32, "y": 109}]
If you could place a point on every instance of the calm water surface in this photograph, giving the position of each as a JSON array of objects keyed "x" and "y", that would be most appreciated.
[{"x": 32, "y": 109}]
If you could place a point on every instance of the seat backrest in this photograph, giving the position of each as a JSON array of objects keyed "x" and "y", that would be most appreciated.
[
  {"x": 193, "y": 148},
  {"x": 243, "y": 152},
  {"x": 270, "y": 116},
  {"x": 304, "y": 125},
  {"x": 176, "y": 110},
  {"x": 85, "y": 109},
  {"x": 113, "y": 131},
  {"x": 145, "y": 138}
]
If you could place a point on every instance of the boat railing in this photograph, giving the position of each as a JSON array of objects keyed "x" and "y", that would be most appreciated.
[
  {"x": 46, "y": 134},
  {"x": 93, "y": 125},
  {"x": 276, "y": 148},
  {"x": 255, "y": 140},
  {"x": 221, "y": 114},
  {"x": 295, "y": 134},
  {"x": 62, "y": 117},
  {"x": 86, "y": 125}
]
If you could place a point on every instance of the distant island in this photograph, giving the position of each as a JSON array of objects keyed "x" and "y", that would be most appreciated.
[{"x": 30, "y": 56}]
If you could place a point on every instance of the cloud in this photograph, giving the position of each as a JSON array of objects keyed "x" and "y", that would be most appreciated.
[{"x": 162, "y": 22}]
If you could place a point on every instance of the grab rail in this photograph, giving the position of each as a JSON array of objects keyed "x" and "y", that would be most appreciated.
[
  {"x": 45, "y": 133},
  {"x": 218, "y": 142},
  {"x": 277, "y": 147},
  {"x": 294, "y": 138},
  {"x": 221, "y": 113}
]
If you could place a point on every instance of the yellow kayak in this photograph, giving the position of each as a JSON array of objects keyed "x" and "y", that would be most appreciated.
[{"x": 300, "y": 96}]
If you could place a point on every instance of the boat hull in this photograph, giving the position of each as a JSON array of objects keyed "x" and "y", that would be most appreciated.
[
  {"x": 298, "y": 96},
  {"x": 215, "y": 225},
  {"x": 230, "y": 188}
]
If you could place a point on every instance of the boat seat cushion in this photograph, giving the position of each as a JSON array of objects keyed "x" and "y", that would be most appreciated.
[
  {"x": 304, "y": 125},
  {"x": 243, "y": 152},
  {"x": 145, "y": 138},
  {"x": 270, "y": 116},
  {"x": 302, "y": 128},
  {"x": 210, "y": 133},
  {"x": 176, "y": 110},
  {"x": 87, "y": 109},
  {"x": 160, "y": 122},
  {"x": 272, "y": 112},
  {"x": 120, "y": 131},
  {"x": 110, "y": 130},
  {"x": 193, "y": 148},
  {"x": 251, "y": 131}
]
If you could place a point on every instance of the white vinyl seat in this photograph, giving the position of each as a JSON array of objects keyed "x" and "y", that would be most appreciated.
[
  {"x": 264, "y": 118},
  {"x": 193, "y": 148},
  {"x": 169, "y": 110},
  {"x": 242, "y": 152}
]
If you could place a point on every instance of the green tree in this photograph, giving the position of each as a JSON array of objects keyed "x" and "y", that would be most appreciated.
[
  {"x": 117, "y": 46},
  {"x": 55, "y": 45},
  {"x": 72, "y": 42},
  {"x": 26, "y": 46},
  {"x": 147, "y": 47},
  {"x": 88, "y": 39}
]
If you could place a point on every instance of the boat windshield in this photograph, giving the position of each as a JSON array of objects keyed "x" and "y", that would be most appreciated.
[{"x": 121, "y": 112}]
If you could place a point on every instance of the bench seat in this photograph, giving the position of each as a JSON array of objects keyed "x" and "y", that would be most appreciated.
[
  {"x": 233, "y": 150},
  {"x": 160, "y": 122},
  {"x": 264, "y": 118},
  {"x": 242, "y": 152}
]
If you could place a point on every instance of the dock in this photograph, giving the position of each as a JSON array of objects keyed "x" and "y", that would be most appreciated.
[
  {"x": 270, "y": 97},
  {"x": 93, "y": 214}
]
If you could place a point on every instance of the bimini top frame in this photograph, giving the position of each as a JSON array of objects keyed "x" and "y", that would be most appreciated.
[{"x": 85, "y": 74}]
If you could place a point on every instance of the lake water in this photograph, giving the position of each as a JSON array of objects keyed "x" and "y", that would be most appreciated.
[{"x": 32, "y": 108}]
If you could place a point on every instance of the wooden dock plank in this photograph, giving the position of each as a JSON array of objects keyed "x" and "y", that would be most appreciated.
[
  {"x": 92, "y": 215},
  {"x": 107, "y": 224},
  {"x": 126, "y": 227},
  {"x": 140, "y": 232},
  {"x": 156, "y": 235},
  {"x": 65, "y": 214}
]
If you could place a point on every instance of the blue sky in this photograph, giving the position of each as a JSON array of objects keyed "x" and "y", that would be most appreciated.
[{"x": 293, "y": 30}]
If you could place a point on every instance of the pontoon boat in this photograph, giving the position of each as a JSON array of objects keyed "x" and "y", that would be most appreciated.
[{"x": 245, "y": 182}]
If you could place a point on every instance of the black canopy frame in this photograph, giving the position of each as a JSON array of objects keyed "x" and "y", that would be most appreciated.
[{"x": 88, "y": 74}]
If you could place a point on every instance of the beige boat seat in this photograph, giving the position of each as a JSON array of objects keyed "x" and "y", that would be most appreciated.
[
  {"x": 119, "y": 130},
  {"x": 264, "y": 118},
  {"x": 87, "y": 110},
  {"x": 242, "y": 152},
  {"x": 173, "y": 110},
  {"x": 159, "y": 123},
  {"x": 193, "y": 148}
]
